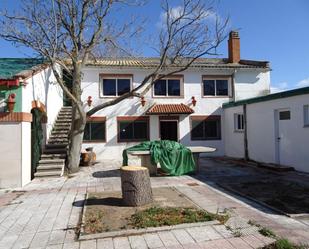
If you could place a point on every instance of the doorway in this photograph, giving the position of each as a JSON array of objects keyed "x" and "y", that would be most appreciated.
[
  {"x": 169, "y": 130},
  {"x": 282, "y": 128},
  {"x": 36, "y": 139}
]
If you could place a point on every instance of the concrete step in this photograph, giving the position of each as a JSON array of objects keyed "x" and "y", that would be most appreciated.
[
  {"x": 51, "y": 161},
  {"x": 60, "y": 135},
  {"x": 64, "y": 121},
  {"x": 47, "y": 173},
  {"x": 53, "y": 156},
  {"x": 58, "y": 132},
  {"x": 44, "y": 168},
  {"x": 56, "y": 146},
  {"x": 58, "y": 140},
  {"x": 49, "y": 151},
  {"x": 61, "y": 128}
]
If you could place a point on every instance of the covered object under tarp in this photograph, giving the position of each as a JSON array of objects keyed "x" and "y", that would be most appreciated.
[{"x": 174, "y": 158}]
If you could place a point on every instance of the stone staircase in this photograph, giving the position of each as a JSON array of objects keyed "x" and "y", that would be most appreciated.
[{"x": 53, "y": 158}]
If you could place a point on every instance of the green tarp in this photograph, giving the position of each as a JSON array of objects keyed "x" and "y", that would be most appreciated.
[{"x": 174, "y": 158}]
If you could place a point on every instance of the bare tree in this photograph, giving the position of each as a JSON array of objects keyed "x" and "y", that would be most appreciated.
[{"x": 67, "y": 33}]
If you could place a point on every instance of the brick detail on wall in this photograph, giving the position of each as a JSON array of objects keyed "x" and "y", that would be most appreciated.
[{"x": 6, "y": 117}]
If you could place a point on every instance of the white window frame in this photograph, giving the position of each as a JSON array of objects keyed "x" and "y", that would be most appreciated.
[
  {"x": 306, "y": 115},
  {"x": 2, "y": 103},
  {"x": 181, "y": 86},
  {"x": 236, "y": 115},
  {"x": 229, "y": 94},
  {"x": 113, "y": 78}
]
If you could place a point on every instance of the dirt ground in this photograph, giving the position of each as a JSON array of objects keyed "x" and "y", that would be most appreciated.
[
  {"x": 285, "y": 191},
  {"x": 109, "y": 209}
]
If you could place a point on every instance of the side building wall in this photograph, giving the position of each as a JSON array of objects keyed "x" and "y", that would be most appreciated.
[{"x": 264, "y": 128}]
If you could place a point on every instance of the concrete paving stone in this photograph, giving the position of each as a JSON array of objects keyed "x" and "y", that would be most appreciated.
[
  {"x": 47, "y": 224},
  {"x": 137, "y": 242},
  {"x": 223, "y": 231},
  {"x": 56, "y": 237},
  {"x": 121, "y": 243},
  {"x": 238, "y": 243},
  {"x": 253, "y": 241},
  {"x": 264, "y": 239},
  {"x": 58, "y": 246},
  {"x": 198, "y": 234},
  {"x": 211, "y": 233},
  {"x": 168, "y": 239},
  {"x": 72, "y": 245},
  {"x": 216, "y": 244},
  {"x": 106, "y": 243},
  {"x": 70, "y": 236},
  {"x": 23, "y": 241},
  {"x": 153, "y": 240},
  {"x": 183, "y": 236},
  {"x": 8, "y": 241},
  {"x": 40, "y": 239},
  {"x": 88, "y": 244}
]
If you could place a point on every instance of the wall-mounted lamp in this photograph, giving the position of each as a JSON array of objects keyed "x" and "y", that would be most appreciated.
[
  {"x": 143, "y": 101},
  {"x": 11, "y": 102},
  {"x": 89, "y": 100},
  {"x": 193, "y": 101}
]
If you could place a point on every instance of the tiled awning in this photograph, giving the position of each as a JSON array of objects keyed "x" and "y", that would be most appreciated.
[{"x": 169, "y": 109}]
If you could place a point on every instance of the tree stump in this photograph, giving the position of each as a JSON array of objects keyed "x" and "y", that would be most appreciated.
[{"x": 135, "y": 186}]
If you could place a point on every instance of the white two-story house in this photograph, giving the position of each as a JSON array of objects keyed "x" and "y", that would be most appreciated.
[{"x": 186, "y": 107}]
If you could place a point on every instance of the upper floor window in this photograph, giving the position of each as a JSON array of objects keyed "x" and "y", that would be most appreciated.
[
  {"x": 132, "y": 129},
  {"x": 95, "y": 130},
  {"x": 206, "y": 128},
  {"x": 215, "y": 86},
  {"x": 115, "y": 85},
  {"x": 239, "y": 122},
  {"x": 306, "y": 115},
  {"x": 170, "y": 87}
]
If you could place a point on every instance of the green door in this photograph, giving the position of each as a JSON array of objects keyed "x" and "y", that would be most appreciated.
[{"x": 36, "y": 139}]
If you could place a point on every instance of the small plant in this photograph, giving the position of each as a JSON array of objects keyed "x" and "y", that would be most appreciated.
[
  {"x": 254, "y": 223},
  {"x": 267, "y": 232},
  {"x": 283, "y": 244},
  {"x": 237, "y": 233},
  {"x": 168, "y": 216}
]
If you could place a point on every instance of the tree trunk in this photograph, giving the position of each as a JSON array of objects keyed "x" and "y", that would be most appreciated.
[
  {"x": 78, "y": 121},
  {"x": 135, "y": 186},
  {"x": 76, "y": 140}
]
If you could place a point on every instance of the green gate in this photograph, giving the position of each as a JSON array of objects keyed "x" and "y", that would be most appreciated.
[{"x": 36, "y": 139}]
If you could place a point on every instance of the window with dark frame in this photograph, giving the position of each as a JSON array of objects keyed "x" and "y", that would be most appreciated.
[
  {"x": 215, "y": 87},
  {"x": 94, "y": 131},
  {"x": 115, "y": 86},
  {"x": 206, "y": 129},
  {"x": 284, "y": 115},
  {"x": 167, "y": 87},
  {"x": 238, "y": 122},
  {"x": 133, "y": 130}
]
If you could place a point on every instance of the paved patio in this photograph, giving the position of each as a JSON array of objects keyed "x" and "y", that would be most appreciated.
[{"x": 41, "y": 215}]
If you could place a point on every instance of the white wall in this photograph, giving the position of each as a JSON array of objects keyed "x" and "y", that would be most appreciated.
[
  {"x": 11, "y": 155},
  {"x": 25, "y": 153},
  {"x": 132, "y": 107},
  {"x": 234, "y": 140},
  {"x": 261, "y": 132},
  {"x": 43, "y": 87},
  {"x": 249, "y": 84}
]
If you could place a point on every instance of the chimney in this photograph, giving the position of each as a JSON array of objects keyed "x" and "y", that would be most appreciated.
[{"x": 234, "y": 47}]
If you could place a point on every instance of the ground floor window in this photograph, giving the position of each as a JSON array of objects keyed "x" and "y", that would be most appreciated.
[
  {"x": 95, "y": 130},
  {"x": 206, "y": 127},
  {"x": 133, "y": 129},
  {"x": 238, "y": 122}
]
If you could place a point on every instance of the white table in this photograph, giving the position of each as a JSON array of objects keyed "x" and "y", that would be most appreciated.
[{"x": 145, "y": 160}]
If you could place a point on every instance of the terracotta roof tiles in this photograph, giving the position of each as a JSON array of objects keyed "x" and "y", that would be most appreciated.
[{"x": 169, "y": 109}]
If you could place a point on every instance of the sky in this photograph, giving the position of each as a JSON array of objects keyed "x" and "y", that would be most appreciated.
[{"x": 272, "y": 30}]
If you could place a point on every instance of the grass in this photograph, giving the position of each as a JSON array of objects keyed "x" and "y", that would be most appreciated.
[
  {"x": 168, "y": 216},
  {"x": 93, "y": 222},
  {"x": 283, "y": 244}
]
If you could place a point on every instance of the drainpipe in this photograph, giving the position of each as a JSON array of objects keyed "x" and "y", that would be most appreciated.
[{"x": 245, "y": 132}]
